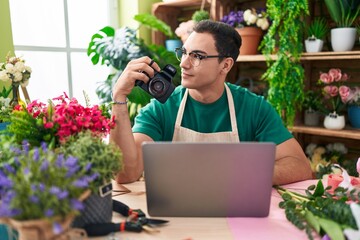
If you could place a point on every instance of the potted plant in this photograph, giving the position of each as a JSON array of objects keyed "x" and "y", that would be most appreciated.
[
  {"x": 311, "y": 106},
  {"x": 285, "y": 74},
  {"x": 5, "y": 108},
  {"x": 351, "y": 98},
  {"x": 334, "y": 91},
  {"x": 41, "y": 191},
  {"x": 344, "y": 13},
  {"x": 117, "y": 48},
  {"x": 316, "y": 32},
  {"x": 105, "y": 160},
  {"x": 156, "y": 24},
  {"x": 250, "y": 24}
]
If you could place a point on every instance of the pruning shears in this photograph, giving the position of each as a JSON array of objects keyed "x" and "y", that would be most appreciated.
[{"x": 136, "y": 222}]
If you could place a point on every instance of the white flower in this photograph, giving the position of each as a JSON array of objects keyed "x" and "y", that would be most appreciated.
[
  {"x": 4, "y": 76},
  {"x": 28, "y": 69},
  {"x": 352, "y": 234},
  {"x": 20, "y": 66},
  {"x": 247, "y": 15},
  {"x": 18, "y": 77},
  {"x": 10, "y": 68},
  {"x": 252, "y": 19},
  {"x": 340, "y": 147},
  {"x": 262, "y": 23}
]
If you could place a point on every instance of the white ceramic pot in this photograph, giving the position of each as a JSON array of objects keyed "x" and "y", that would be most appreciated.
[
  {"x": 334, "y": 121},
  {"x": 315, "y": 45},
  {"x": 343, "y": 39}
]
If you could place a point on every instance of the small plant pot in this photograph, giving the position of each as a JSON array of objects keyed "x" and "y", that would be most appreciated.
[
  {"x": 334, "y": 121},
  {"x": 343, "y": 39},
  {"x": 313, "y": 45},
  {"x": 311, "y": 118},
  {"x": 354, "y": 116}
]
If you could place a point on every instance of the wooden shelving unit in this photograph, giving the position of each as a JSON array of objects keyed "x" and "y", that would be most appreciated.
[{"x": 253, "y": 66}]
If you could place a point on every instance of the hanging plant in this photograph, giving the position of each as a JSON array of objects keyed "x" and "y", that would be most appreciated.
[{"x": 286, "y": 74}]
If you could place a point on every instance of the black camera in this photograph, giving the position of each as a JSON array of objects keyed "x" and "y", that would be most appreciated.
[{"x": 160, "y": 86}]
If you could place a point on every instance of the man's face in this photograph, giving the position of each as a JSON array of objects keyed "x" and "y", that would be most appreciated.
[{"x": 207, "y": 72}]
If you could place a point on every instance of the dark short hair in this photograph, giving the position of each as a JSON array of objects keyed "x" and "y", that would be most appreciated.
[{"x": 227, "y": 39}]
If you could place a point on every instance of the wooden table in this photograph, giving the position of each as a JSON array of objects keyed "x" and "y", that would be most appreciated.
[{"x": 275, "y": 226}]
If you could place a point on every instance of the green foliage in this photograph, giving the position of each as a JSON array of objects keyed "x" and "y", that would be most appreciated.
[
  {"x": 318, "y": 29},
  {"x": 320, "y": 212},
  {"x": 286, "y": 74},
  {"x": 343, "y": 12},
  {"x": 5, "y": 92},
  {"x": 311, "y": 100},
  {"x": 117, "y": 49},
  {"x": 200, "y": 15},
  {"x": 105, "y": 159},
  {"x": 24, "y": 126},
  {"x": 154, "y": 23}
]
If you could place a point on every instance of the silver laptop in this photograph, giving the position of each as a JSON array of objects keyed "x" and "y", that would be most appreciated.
[{"x": 208, "y": 179}]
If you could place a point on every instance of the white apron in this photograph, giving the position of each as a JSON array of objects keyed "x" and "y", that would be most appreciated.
[{"x": 182, "y": 134}]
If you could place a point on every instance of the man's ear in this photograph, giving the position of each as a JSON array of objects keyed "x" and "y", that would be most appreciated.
[{"x": 227, "y": 65}]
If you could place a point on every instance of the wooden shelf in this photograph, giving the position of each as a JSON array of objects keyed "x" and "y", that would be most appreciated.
[
  {"x": 348, "y": 132},
  {"x": 305, "y": 56}
]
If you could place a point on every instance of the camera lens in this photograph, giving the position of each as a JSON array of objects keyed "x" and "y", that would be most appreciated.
[{"x": 157, "y": 87}]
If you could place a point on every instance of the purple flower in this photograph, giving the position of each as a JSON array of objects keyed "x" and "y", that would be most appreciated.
[
  {"x": 71, "y": 162},
  {"x": 44, "y": 147},
  {"x": 55, "y": 190},
  {"x": 57, "y": 228},
  {"x": 15, "y": 150},
  {"x": 49, "y": 212},
  {"x": 44, "y": 165},
  {"x": 25, "y": 145},
  {"x": 63, "y": 194},
  {"x": 34, "y": 199},
  {"x": 41, "y": 187},
  {"x": 4, "y": 181},
  {"x": 234, "y": 18},
  {"x": 26, "y": 171},
  {"x": 81, "y": 183},
  {"x": 72, "y": 171},
  {"x": 88, "y": 166},
  {"x": 36, "y": 155},
  {"x": 59, "y": 161},
  {"x": 76, "y": 204},
  {"x": 9, "y": 168}
]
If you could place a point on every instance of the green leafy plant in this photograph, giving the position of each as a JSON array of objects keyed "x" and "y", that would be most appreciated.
[
  {"x": 117, "y": 48},
  {"x": 319, "y": 212},
  {"x": 286, "y": 74},
  {"x": 318, "y": 29},
  {"x": 343, "y": 12},
  {"x": 105, "y": 159},
  {"x": 311, "y": 100},
  {"x": 38, "y": 183},
  {"x": 154, "y": 23},
  {"x": 200, "y": 15}
]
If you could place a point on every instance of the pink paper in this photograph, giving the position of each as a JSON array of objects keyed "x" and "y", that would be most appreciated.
[{"x": 275, "y": 226}]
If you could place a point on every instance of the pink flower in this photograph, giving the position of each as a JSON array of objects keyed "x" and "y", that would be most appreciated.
[
  {"x": 344, "y": 92},
  {"x": 336, "y": 74},
  {"x": 326, "y": 78},
  {"x": 331, "y": 91}
]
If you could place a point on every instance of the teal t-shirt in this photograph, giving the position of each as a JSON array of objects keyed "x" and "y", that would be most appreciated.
[{"x": 256, "y": 118}]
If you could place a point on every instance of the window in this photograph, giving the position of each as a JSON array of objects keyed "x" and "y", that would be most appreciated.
[{"x": 52, "y": 37}]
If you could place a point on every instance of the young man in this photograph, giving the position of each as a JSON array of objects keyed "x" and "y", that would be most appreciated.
[{"x": 203, "y": 108}]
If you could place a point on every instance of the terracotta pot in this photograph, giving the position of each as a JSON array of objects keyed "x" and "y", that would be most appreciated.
[
  {"x": 41, "y": 229},
  {"x": 250, "y": 37}
]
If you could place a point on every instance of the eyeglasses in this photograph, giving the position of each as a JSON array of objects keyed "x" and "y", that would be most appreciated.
[{"x": 195, "y": 58}]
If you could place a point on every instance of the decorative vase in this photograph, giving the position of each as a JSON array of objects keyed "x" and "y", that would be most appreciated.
[
  {"x": 171, "y": 44},
  {"x": 313, "y": 45},
  {"x": 354, "y": 116},
  {"x": 3, "y": 126},
  {"x": 311, "y": 118},
  {"x": 97, "y": 210},
  {"x": 343, "y": 39},
  {"x": 334, "y": 121},
  {"x": 41, "y": 229},
  {"x": 15, "y": 94},
  {"x": 250, "y": 39}
]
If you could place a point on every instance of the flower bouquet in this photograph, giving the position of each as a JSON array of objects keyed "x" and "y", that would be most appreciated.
[
  {"x": 334, "y": 90},
  {"x": 250, "y": 24},
  {"x": 15, "y": 71},
  {"x": 331, "y": 213},
  {"x": 40, "y": 188}
]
